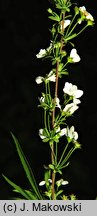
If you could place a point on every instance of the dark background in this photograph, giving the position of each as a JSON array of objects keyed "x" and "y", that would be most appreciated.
[{"x": 23, "y": 31}]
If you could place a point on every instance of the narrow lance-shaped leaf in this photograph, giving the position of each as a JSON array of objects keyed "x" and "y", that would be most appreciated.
[
  {"x": 30, "y": 194},
  {"x": 27, "y": 168},
  {"x": 18, "y": 188}
]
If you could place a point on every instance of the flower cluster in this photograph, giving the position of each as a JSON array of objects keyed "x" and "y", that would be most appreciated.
[
  {"x": 70, "y": 133},
  {"x": 69, "y": 89},
  {"x": 75, "y": 94},
  {"x": 85, "y": 15},
  {"x": 63, "y": 31},
  {"x": 58, "y": 183}
]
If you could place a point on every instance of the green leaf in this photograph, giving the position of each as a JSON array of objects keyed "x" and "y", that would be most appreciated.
[
  {"x": 55, "y": 18},
  {"x": 58, "y": 193},
  {"x": 45, "y": 140},
  {"x": 30, "y": 194},
  {"x": 70, "y": 37},
  {"x": 18, "y": 188},
  {"x": 51, "y": 166},
  {"x": 27, "y": 168}
]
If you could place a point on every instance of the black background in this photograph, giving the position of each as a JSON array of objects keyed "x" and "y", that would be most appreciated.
[{"x": 23, "y": 31}]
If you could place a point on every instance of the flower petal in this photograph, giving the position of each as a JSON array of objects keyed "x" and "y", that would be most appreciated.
[
  {"x": 39, "y": 79},
  {"x": 63, "y": 132},
  {"x": 41, "y": 134},
  {"x": 42, "y": 183},
  {"x": 73, "y": 54},
  {"x": 41, "y": 53},
  {"x": 65, "y": 182}
]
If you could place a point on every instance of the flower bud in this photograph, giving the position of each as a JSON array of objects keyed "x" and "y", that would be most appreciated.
[{"x": 76, "y": 10}]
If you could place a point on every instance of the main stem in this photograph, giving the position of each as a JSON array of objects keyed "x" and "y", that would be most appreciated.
[
  {"x": 53, "y": 120},
  {"x": 53, "y": 112}
]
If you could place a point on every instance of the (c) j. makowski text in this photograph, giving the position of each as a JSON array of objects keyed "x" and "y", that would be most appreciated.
[{"x": 53, "y": 207}]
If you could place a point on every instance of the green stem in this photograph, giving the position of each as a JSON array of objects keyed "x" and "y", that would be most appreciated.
[
  {"x": 60, "y": 120},
  {"x": 49, "y": 89},
  {"x": 72, "y": 29},
  {"x": 65, "y": 64},
  {"x": 56, "y": 152},
  {"x": 48, "y": 122},
  {"x": 81, "y": 30},
  {"x": 46, "y": 88},
  {"x": 45, "y": 123},
  {"x": 53, "y": 125},
  {"x": 67, "y": 157},
  {"x": 63, "y": 154},
  {"x": 70, "y": 24}
]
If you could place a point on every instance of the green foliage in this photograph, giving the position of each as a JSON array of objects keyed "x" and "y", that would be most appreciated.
[{"x": 29, "y": 175}]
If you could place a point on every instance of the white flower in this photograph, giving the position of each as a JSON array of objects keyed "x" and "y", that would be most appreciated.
[
  {"x": 51, "y": 77},
  {"x": 50, "y": 181},
  {"x": 58, "y": 130},
  {"x": 72, "y": 90},
  {"x": 76, "y": 101},
  {"x": 39, "y": 79},
  {"x": 66, "y": 23},
  {"x": 41, "y": 53},
  {"x": 75, "y": 57},
  {"x": 42, "y": 183},
  {"x": 73, "y": 135},
  {"x": 82, "y": 9},
  {"x": 86, "y": 14},
  {"x": 61, "y": 182},
  {"x": 65, "y": 182},
  {"x": 63, "y": 132},
  {"x": 49, "y": 48},
  {"x": 58, "y": 103},
  {"x": 90, "y": 17},
  {"x": 41, "y": 134},
  {"x": 70, "y": 108},
  {"x": 41, "y": 99}
]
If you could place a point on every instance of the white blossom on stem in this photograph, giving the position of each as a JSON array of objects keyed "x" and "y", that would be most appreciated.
[
  {"x": 50, "y": 47},
  {"x": 41, "y": 99},
  {"x": 58, "y": 103},
  {"x": 66, "y": 23},
  {"x": 41, "y": 134},
  {"x": 41, "y": 53},
  {"x": 39, "y": 79},
  {"x": 61, "y": 182},
  {"x": 73, "y": 91},
  {"x": 50, "y": 77},
  {"x": 87, "y": 15},
  {"x": 70, "y": 108},
  {"x": 74, "y": 57},
  {"x": 62, "y": 132},
  {"x": 44, "y": 182},
  {"x": 71, "y": 133}
]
